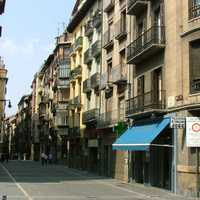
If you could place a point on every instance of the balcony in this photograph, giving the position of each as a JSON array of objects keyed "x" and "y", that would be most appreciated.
[
  {"x": 96, "y": 49},
  {"x": 76, "y": 72},
  {"x": 87, "y": 86},
  {"x": 150, "y": 102},
  {"x": 103, "y": 80},
  {"x": 95, "y": 80},
  {"x": 63, "y": 84},
  {"x": 78, "y": 44},
  {"x": 97, "y": 18},
  {"x": 135, "y": 7},
  {"x": 91, "y": 116},
  {"x": 88, "y": 56},
  {"x": 72, "y": 50},
  {"x": 45, "y": 99},
  {"x": 119, "y": 74},
  {"x": 75, "y": 103},
  {"x": 110, "y": 118},
  {"x": 194, "y": 11},
  {"x": 120, "y": 30},
  {"x": 89, "y": 28},
  {"x": 108, "y": 5},
  {"x": 64, "y": 72},
  {"x": 64, "y": 61},
  {"x": 147, "y": 44},
  {"x": 108, "y": 37},
  {"x": 61, "y": 119}
]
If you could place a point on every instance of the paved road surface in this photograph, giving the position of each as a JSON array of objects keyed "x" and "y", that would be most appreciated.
[{"x": 27, "y": 180}]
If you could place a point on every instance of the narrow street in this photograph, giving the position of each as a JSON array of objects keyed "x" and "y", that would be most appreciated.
[{"x": 29, "y": 180}]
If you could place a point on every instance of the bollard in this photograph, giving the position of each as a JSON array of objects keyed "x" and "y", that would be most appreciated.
[{"x": 4, "y": 197}]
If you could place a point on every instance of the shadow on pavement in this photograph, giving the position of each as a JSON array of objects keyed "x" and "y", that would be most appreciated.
[{"x": 34, "y": 172}]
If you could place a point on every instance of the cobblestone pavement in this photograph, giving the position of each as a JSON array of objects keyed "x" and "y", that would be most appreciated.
[{"x": 27, "y": 180}]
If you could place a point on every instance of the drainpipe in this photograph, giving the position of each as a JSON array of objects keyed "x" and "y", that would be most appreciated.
[{"x": 197, "y": 171}]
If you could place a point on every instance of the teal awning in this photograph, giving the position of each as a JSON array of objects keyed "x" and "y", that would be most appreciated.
[{"x": 140, "y": 136}]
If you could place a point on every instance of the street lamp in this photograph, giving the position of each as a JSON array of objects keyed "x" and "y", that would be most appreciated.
[{"x": 9, "y": 102}]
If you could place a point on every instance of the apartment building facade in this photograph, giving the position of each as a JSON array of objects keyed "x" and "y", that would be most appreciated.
[
  {"x": 3, "y": 82},
  {"x": 85, "y": 27},
  {"x": 113, "y": 88},
  {"x": 23, "y": 139},
  {"x": 162, "y": 49},
  {"x": 50, "y": 89}
]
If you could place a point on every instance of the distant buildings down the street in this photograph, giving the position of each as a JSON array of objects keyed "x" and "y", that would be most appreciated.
[{"x": 104, "y": 99}]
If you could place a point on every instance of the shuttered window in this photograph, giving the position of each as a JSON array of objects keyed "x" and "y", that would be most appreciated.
[{"x": 195, "y": 66}]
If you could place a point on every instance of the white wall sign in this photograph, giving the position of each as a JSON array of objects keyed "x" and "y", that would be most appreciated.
[{"x": 193, "y": 131}]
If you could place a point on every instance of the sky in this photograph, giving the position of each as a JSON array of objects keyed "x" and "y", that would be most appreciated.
[{"x": 28, "y": 37}]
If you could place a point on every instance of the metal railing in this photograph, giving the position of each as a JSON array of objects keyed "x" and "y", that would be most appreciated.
[
  {"x": 87, "y": 85},
  {"x": 78, "y": 43},
  {"x": 88, "y": 56},
  {"x": 152, "y": 100},
  {"x": 76, "y": 72},
  {"x": 118, "y": 73},
  {"x": 63, "y": 83},
  {"x": 64, "y": 72},
  {"x": 89, "y": 28},
  {"x": 97, "y": 18},
  {"x": 194, "y": 11},
  {"x": 153, "y": 36},
  {"x": 95, "y": 80},
  {"x": 110, "y": 118},
  {"x": 91, "y": 115},
  {"x": 96, "y": 48},
  {"x": 132, "y": 2}
]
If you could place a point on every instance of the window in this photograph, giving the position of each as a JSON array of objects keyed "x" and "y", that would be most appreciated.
[
  {"x": 195, "y": 66},
  {"x": 194, "y": 9}
]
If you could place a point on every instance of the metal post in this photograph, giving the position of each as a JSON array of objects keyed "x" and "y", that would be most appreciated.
[
  {"x": 197, "y": 170},
  {"x": 174, "y": 174}
]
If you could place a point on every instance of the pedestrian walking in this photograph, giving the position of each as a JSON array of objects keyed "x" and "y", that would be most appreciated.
[
  {"x": 45, "y": 159},
  {"x": 7, "y": 157},
  {"x": 42, "y": 158},
  {"x": 50, "y": 158}
]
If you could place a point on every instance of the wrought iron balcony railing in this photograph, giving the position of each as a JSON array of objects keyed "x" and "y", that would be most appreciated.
[
  {"x": 90, "y": 116},
  {"x": 63, "y": 84},
  {"x": 95, "y": 80},
  {"x": 72, "y": 50},
  {"x": 76, "y": 72},
  {"x": 87, "y": 86},
  {"x": 120, "y": 29},
  {"x": 78, "y": 43},
  {"x": 111, "y": 118},
  {"x": 108, "y": 5},
  {"x": 146, "y": 44},
  {"x": 194, "y": 11},
  {"x": 62, "y": 106},
  {"x": 136, "y": 6},
  {"x": 88, "y": 56},
  {"x": 150, "y": 101},
  {"x": 97, "y": 18},
  {"x": 64, "y": 72},
  {"x": 96, "y": 49},
  {"x": 119, "y": 74},
  {"x": 89, "y": 28},
  {"x": 108, "y": 37},
  {"x": 64, "y": 61},
  {"x": 61, "y": 119}
]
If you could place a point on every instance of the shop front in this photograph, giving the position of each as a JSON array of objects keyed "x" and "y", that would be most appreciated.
[{"x": 150, "y": 147}]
